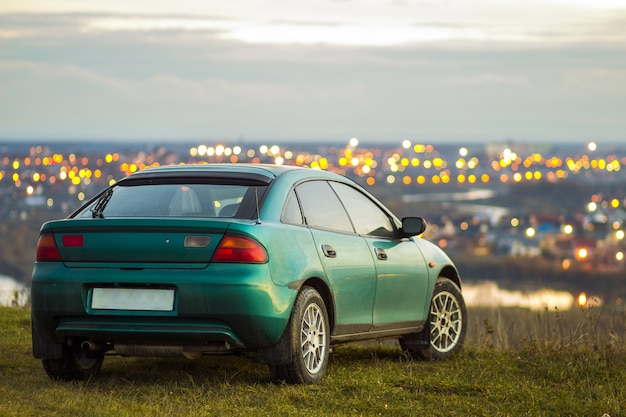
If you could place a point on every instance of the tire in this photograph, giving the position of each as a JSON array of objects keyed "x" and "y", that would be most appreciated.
[
  {"x": 443, "y": 336},
  {"x": 75, "y": 364},
  {"x": 309, "y": 337}
]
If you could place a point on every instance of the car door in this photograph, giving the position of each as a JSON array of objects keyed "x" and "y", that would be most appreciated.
[
  {"x": 345, "y": 256},
  {"x": 401, "y": 272}
]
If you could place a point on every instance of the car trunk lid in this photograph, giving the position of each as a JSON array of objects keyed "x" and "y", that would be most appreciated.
[{"x": 137, "y": 240}]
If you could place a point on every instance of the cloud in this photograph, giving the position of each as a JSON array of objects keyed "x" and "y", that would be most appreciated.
[
  {"x": 488, "y": 79},
  {"x": 177, "y": 76},
  {"x": 346, "y": 23}
]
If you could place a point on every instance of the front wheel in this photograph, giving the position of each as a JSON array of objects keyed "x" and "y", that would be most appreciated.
[
  {"x": 308, "y": 333},
  {"x": 446, "y": 327},
  {"x": 75, "y": 364}
]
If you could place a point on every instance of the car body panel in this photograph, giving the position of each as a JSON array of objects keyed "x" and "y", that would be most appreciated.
[
  {"x": 150, "y": 240},
  {"x": 402, "y": 283},
  {"x": 352, "y": 276}
]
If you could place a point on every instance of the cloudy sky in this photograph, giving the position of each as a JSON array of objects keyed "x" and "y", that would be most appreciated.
[{"x": 328, "y": 70}]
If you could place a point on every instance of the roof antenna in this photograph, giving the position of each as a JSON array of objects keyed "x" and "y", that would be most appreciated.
[{"x": 256, "y": 198}]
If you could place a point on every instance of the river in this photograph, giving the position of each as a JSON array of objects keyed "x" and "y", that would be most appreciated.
[
  {"x": 476, "y": 294},
  {"x": 13, "y": 293},
  {"x": 489, "y": 294}
]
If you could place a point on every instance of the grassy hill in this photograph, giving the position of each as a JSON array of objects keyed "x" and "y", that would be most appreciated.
[{"x": 515, "y": 363}]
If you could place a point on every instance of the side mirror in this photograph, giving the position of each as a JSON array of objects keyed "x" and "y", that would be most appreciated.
[{"x": 412, "y": 226}]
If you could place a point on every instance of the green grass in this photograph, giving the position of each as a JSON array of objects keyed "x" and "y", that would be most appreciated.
[{"x": 515, "y": 363}]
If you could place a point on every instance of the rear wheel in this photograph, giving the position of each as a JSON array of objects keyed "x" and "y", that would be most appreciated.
[
  {"x": 445, "y": 331},
  {"x": 308, "y": 331},
  {"x": 75, "y": 364}
]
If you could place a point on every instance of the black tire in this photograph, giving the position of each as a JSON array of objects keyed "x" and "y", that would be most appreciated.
[
  {"x": 444, "y": 334},
  {"x": 309, "y": 335},
  {"x": 75, "y": 364}
]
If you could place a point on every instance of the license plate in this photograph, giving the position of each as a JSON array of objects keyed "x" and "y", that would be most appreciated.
[{"x": 136, "y": 299}]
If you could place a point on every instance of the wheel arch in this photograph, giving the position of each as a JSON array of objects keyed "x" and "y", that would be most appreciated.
[
  {"x": 281, "y": 353},
  {"x": 322, "y": 288},
  {"x": 451, "y": 273}
]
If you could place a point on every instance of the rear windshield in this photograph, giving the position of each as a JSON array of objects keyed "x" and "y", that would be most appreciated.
[{"x": 175, "y": 200}]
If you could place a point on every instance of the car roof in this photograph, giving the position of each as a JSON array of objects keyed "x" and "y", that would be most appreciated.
[
  {"x": 263, "y": 169},
  {"x": 263, "y": 172}
]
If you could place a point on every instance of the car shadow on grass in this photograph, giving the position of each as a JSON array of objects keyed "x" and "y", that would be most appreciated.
[
  {"x": 213, "y": 369},
  {"x": 236, "y": 368}
]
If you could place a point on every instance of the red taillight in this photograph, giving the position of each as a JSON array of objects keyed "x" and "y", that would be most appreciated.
[
  {"x": 47, "y": 249},
  {"x": 239, "y": 249},
  {"x": 73, "y": 240}
]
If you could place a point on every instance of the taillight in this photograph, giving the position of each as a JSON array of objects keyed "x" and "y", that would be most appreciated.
[
  {"x": 240, "y": 249},
  {"x": 47, "y": 249}
]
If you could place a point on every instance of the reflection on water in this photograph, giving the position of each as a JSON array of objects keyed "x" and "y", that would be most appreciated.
[
  {"x": 488, "y": 294},
  {"x": 12, "y": 293},
  {"x": 481, "y": 294}
]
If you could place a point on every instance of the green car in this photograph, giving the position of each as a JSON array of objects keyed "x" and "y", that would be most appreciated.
[{"x": 284, "y": 262}]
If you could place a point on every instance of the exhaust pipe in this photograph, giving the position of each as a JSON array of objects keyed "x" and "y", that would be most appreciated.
[{"x": 89, "y": 346}]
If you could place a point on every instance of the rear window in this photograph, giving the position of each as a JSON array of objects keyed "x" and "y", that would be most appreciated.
[{"x": 175, "y": 200}]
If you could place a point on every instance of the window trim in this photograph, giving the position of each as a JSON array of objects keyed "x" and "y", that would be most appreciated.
[
  {"x": 392, "y": 218},
  {"x": 383, "y": 209}
]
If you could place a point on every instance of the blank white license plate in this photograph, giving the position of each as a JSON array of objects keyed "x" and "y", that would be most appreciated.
[{"x": 138, "y": 299}]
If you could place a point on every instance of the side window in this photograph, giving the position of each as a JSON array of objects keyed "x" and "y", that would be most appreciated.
[
  {"x": 322, "y": 208},
  {"x": 367, "y": 217},
  {"x": 291, "y": 213}
]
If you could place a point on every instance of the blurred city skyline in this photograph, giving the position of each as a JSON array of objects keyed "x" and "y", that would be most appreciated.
[
  {"x": 515, "y": 213},
  {"x": 258, "y": 70}
]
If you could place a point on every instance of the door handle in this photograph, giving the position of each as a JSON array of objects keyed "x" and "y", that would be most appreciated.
[
  {"x": 329, "y": 251},
  {"x": 380, "y": 254}
]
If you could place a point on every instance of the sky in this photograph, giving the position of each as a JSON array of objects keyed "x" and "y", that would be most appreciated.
[{"x": 324, "y": 70}]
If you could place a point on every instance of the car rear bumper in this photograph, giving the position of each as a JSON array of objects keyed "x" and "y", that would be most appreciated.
[
  {"x": 146, "y": 331},
  {"x": 234, "y": 304}
]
